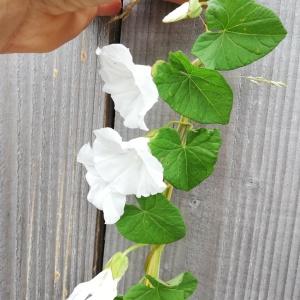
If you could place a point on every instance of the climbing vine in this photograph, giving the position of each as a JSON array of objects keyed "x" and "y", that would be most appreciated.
[{"x": 181, "y": 154}]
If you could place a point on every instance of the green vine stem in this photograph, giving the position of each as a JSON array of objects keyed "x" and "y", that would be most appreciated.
[
  {"x": 152, "y": 266},
  {"x": 153, "y": 261}
]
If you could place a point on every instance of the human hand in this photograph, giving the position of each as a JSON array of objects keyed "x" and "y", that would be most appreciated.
[{"x": 44, "y": 25}]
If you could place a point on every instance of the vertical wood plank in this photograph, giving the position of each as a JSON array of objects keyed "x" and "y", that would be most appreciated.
[
  {"x": 49, "y": 105},
  {"x": 244, "y": 235}
]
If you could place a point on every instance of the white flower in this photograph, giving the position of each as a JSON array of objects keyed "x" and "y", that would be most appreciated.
[
  {"x": 116, "y": 169},
  {"x": 187, "y": 10},
  {"x": 130, "y": 167},
  {"x": 131, "y": 86},
  {"x": 103, "y": 287}
]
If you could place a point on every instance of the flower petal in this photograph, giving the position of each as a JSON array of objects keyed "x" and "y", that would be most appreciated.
[
  {"x": 101, "y": 195},
  {"x": 178, "y": 14},
  {"x": 98, "y": 51},
  {"x": 113, "y": 208},
  {"x": 102, "y": 285},
  {"x": 85, "y": 156},
  {"x": 191, "y": 9},
  {"x": 117, "y": 53},
  {"x": 131, "y": 86},
  {"x": 104, "y": 198},
  {"x": 107, "y": 140},
  {"x": 151, "y": 176}
]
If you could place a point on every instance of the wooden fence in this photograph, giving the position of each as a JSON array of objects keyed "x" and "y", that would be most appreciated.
[{"x": 244, "y": 222}]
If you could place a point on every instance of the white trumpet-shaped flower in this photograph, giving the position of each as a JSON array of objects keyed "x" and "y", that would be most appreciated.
[
  {"x": 116, "y": 169},
  {"x": 131, "y": 86},
  {"x": 187, "y": 10},
  {"x": 103, "y": 287}
]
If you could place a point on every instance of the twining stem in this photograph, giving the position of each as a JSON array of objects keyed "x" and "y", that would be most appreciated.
[
  {"x": 126, "y": 12},
  {"x": 183, "y": 129},
  {"x": 152, "y": 265},
  {"x": 169, "y": 191}
]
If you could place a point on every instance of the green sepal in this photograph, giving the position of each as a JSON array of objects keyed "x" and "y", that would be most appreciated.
[
  {"x": 118, "y": 265},
  {"x": 195, "y": 9}
]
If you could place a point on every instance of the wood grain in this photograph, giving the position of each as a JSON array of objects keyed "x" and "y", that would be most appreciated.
[
  {"x": 49, "y": 105},
  {"x": 244, "y": 222},
  {"x": 244, "y": 234}
]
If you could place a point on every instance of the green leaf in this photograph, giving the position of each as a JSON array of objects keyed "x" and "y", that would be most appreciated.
[
  {"x": 142, "y": 292},
  {"x": 179, "y": 288},
  {"x": 186, "y": 165},
  {"x": 241, "y": 32},
  {"x": 156, "y": 221},
  {"x": 119, "y": 298},
  {"x": 197, "y": 93}
]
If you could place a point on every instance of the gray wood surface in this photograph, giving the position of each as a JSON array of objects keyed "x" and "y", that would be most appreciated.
[
  {"x": 244, "y": 222},
  {"x": 49, "y": 105}
]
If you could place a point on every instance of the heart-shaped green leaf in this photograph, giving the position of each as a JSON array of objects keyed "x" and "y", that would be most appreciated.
[
  {"x": 240, "y": 32},
  {"x": 156, "y": 221},
  {"x": 197, "y": 93},
  {"x": 186, "y": 165}
]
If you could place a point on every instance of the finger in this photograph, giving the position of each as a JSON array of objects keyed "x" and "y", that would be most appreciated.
[{"x": 110, "y": 9}]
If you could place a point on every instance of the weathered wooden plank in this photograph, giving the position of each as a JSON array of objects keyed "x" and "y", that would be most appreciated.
[
  {"x": 244, "y": 234},
  {"x": 49, "y": 105}
]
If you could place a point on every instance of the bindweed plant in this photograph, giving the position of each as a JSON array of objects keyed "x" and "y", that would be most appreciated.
[{"x": 181, "y": 154}]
